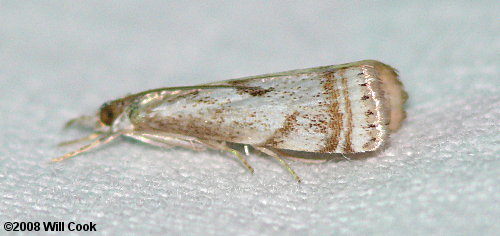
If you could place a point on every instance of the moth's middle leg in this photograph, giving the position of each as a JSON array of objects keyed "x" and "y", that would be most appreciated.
[
  {"x": 277, "y": 157},
  {"x": 218, "y": 145}
]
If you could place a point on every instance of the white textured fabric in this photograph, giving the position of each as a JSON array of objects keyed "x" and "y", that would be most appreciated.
[{"x": 439, "y": 175}]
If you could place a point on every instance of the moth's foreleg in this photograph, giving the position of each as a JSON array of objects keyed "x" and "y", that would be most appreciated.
[
  {"x": 283, "y": 162},
  {"x": 152, "y": 141},
  {"x": 223, "y": 147},
  {"x": 106, "y": 139},
  {"x": 167, "y": 140}
]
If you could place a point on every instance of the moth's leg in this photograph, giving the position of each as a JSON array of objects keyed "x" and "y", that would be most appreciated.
[
  {"x": 152, "y": 142},
  {"x": 277, "y": 157},
  {"x": 103, "y": 140},
  {"x": 87, "y": 138},
  {"x": 166, "y": 140},
  {"x": 223, "y": 147},
  {"x": 347, "y": 158}
]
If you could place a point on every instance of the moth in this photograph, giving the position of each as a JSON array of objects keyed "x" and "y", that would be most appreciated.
[{"x": 347, "y": 108}]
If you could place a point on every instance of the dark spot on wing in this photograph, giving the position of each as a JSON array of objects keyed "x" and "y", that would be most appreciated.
[{"x": 254, "y": 91}]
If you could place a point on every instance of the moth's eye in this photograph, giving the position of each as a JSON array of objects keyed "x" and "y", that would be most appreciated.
[{"x": 108, "y": 114}]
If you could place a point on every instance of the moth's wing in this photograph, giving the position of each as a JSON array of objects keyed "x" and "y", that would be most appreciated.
[{"x": 335, "y": 109}]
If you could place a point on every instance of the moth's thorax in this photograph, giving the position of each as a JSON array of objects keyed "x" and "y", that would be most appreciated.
[
  {"x": 130, "y": 114},
  {"x": 122, "y": 123}
]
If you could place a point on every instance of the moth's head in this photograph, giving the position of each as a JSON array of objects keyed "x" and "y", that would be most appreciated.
[
  {"x": 103, "y": 119},
  {"x": 109, "y": 111}
]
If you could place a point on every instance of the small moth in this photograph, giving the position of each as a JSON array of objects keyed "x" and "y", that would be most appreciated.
[{"x": 347, "y": 108}]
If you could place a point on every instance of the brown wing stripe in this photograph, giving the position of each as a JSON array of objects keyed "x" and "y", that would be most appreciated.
[
  {"x": 288, "y": 126},
  {"x": 348, "y": 134},
  {"x": 336, "y": 120}
]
